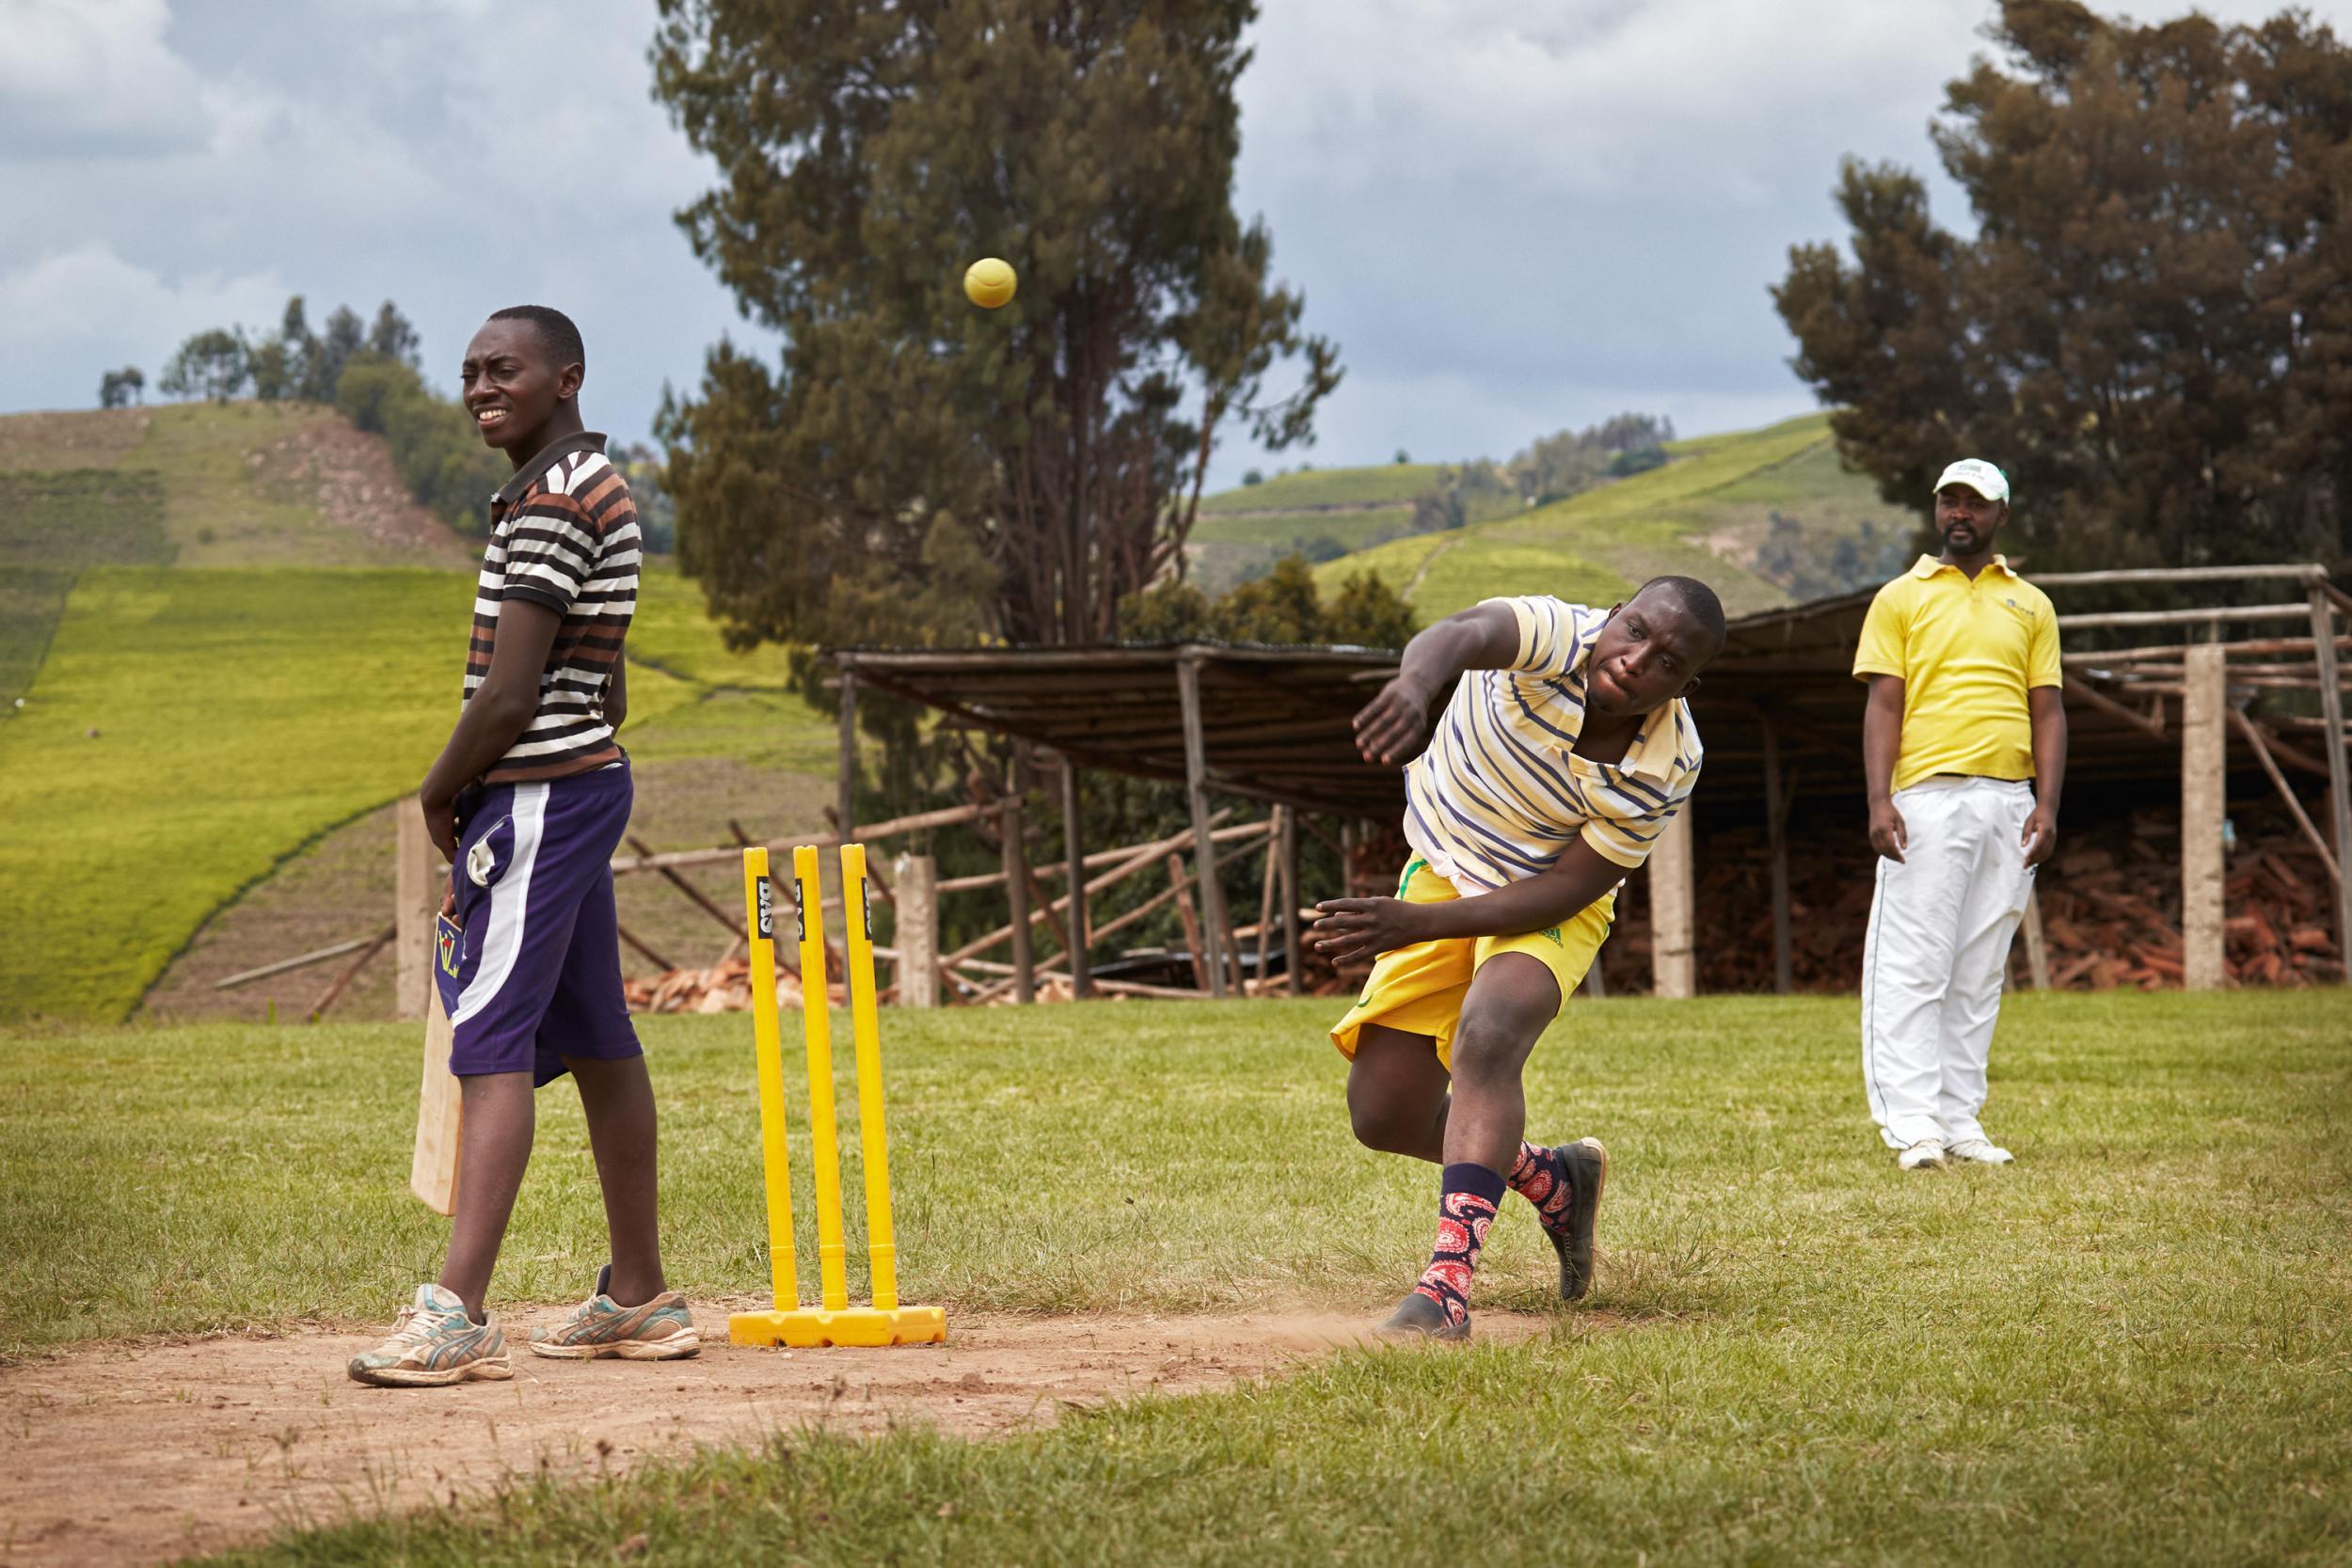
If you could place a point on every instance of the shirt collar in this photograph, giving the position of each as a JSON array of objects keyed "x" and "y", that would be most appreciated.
[
  {"x": 1927, "y": 565},
  {"x": 529, "y": 473}
]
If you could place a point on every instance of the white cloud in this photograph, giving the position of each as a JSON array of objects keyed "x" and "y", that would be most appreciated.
[
  {"x": 93, "y": 76},
  {"x": 68, "y": 317}
]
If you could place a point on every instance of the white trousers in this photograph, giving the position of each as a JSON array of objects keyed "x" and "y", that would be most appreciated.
[{"x": 1937, "y": 954}]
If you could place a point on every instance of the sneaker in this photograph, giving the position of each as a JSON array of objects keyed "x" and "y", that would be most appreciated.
[
  {"x": 1927, "y": 1154},
  {"x": 660, "y": 1330},
  {"x": 1982, "y": 1151},
  {"x": 1418, "y": 1317},
  {"x": 1588, "y": 1172},
  {"x": 434, "y": 1343}
]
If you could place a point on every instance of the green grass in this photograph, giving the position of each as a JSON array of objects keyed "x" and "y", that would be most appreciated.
[
  {"x": 1389, "y": 483},
  {"x": 241, "y": 713},
  {"x": 56, "y": 525},
  {"x": 1622, "y": 533},
  {"x": 1290, "y": 531},
  {"x": 2135, "y": 1344}
]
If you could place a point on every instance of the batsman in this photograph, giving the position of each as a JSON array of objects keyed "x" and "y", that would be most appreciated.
[{"x": 1567, "y": 747}]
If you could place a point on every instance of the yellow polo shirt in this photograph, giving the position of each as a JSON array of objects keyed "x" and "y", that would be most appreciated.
[{"x": 1968, "y": 653}]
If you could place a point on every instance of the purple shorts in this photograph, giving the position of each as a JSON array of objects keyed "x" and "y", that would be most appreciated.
[{"x": 533, "y": 972}]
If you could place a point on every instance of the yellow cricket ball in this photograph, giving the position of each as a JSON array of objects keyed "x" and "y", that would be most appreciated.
[{"x": 990, "y": 282}]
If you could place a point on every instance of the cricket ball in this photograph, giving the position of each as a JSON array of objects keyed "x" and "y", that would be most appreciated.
[{"x": 990, "y": 282}]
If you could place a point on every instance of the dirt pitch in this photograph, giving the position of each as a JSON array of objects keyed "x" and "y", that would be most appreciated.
[{"x": 142, "y": 1453}]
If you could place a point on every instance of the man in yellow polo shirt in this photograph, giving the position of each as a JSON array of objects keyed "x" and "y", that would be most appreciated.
[{"x": 1963, "y": 749}]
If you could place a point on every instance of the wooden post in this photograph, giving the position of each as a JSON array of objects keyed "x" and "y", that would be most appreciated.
[
  {"x": 917, "y": 937},
  {"x": 2332, "y": 740},
  {"x": 2203, "y": 771},
  {"x": 1074, "y": 850},
  {"x": 846, "y": 799},
  {"x": 2036, "y": 945},
  {"x": 1017, "y": 890},
  {"x": 1213, "y": 922},
  {"x": 1191, "y": 919},
  {"x": 418, "y": 879},
  {"x": 1267, "y": 886},
  {"x": 1776, "y": 834},
  {"x": 1672, "y": 909},
  {"x": 1293, "y": 984}
]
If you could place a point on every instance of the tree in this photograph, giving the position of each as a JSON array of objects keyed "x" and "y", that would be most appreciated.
[
  {"x": 323, "y": 371},
  {"x": 1282, "y": 606},
  {"x": 211, "y": 364},
  {"x": 393, "y": 338},
  {"x": 1059, "y": 443},
  {"x": 2149, "y": 328},
  {"x": 119, "y": 389}
]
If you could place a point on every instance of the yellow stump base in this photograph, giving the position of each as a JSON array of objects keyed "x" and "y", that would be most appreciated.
[{"x": 806, "y": 1327}]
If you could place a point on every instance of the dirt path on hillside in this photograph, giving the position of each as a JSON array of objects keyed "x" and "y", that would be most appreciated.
[{"x": 139, "y": 1454}]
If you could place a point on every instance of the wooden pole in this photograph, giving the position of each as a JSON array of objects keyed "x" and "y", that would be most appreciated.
[
  {"x": 2338, "y": 788},
  {"x": 418, "y": 879},
  {"x": 1017, "y": 891},
  {"x": 1776, "y": 818},
  {"x": 917, "y": 939},
  {"x": 2204, "y": 773},
  {"x": 1074, "y": 850},
  {"x": 657, "y": 960},
  {"x": 1266, "y": 884},
  {"x": 1673, "y": 898},
  {"x": 1204, "y": 848},
  {"x": 2253, "y": 734},
  {"x": 1293, "y": 983},
  {"x": 846, "y": 801},
  {"x": 300, "y": 961},
  {"x": 350, "y": 973},
  {"x": 1201, "y": 972}
]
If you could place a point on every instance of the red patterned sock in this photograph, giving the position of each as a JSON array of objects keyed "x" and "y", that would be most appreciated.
[
  {"x": 1541, "y": 1177},
  {"x": 1465, "y": 1208}
]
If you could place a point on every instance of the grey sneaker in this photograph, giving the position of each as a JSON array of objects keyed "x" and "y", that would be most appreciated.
[
  {"x": 1588, "y": 1173},
  {"x": 434, "y": 1343},
  {"x": 660, "y": 1330},
  {"x": 1420, "y": 1317}
]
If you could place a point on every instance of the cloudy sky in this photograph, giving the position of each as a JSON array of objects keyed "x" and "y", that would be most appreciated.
[{"x": 1512, "y": 217}]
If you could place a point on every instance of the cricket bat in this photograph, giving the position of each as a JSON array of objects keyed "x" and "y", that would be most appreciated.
[{"x": 433, "y": 1165}]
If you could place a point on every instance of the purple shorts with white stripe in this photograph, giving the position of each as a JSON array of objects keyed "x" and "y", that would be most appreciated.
[{"x": 536, "y": 974}]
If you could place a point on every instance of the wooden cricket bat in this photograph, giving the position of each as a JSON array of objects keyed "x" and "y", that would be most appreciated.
[{"x": 432, "y": 1166}]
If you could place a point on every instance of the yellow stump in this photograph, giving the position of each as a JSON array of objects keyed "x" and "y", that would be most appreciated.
[
  {"x": 775, "y": 1158},
  {"x": 833, "y": 1320}
]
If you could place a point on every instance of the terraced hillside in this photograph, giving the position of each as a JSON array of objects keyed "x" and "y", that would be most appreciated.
[
  {"x": 1705, "y": 513},
  {"x": 1317, "y": 512}
]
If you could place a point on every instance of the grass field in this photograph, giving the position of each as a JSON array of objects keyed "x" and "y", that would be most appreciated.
[
  {"x": 2134, "y": 1344},
  {"x": 59, "y": 523},
  {"x": 241, "y": 713},
  {"x": 1595, "y": 545}
]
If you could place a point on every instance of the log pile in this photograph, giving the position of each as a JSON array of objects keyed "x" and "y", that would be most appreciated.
[
  {"x": 723, "y": 988},
  {"x": 2110, "y": 907}
]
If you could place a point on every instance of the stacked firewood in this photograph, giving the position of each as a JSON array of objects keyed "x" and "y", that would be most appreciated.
[
  {"x": 723, "y": 988},
  {"x": 2110, "y": 907}
]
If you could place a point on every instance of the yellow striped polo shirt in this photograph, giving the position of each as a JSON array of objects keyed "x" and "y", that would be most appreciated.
[{"x": 1500, "y": 793}]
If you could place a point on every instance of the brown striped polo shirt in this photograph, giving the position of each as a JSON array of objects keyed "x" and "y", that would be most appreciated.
[{"x": 563, "y": 533}]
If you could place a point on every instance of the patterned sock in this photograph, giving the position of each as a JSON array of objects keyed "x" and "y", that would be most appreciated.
[
  {"x": 1465, "y": 1208},
  {"x": 1541, "y": 1177}
]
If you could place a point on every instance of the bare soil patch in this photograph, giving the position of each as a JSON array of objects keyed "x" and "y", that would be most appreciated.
[
  {"x": 143, "y": 1453},
  {"x": 349, "y": 477},
  {"x": 80, "y": 438}
]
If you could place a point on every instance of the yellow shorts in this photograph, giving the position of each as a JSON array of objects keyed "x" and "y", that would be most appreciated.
[{"x": 1420, "y": 989}]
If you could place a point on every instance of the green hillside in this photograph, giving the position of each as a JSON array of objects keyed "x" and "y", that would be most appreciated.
[
  {"x": 1310, "y": 488},
  {"x": 192, "y": 728},
  {"x": 1705, "y": 514}
]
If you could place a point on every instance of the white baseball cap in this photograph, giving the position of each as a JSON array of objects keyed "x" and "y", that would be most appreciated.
[{"x": 1980, "y": 476}]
